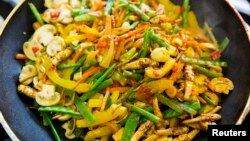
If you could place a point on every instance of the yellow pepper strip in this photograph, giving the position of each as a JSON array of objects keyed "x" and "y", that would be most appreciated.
[
  {"x": 114, "y": 96},
  {"x": 105, "y": 138},
  {"x": 53, "y": 76},
  {"x": 97, "y": 133},
  {"x": 160, "y": 72},
  {"x": 85, "y": 29},
  {"x": 67, "y": 29},
  {"x": 117, "y": 136},
  {"x": 72, "y": 38},
  {"x": 120, "y": 89},
  {"x": 108, "y": 25},
  {"x": 107, "y": 59},
  {"x": 93, "y": 103},
  {"x": 91, "y": 55},
  {"x": 101, "y": 117}
]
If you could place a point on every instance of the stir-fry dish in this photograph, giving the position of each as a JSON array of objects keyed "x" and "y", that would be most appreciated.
[{"x": 123, "y": 70}]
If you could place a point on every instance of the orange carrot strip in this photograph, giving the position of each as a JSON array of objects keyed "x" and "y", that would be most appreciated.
[
  {"x": 131, "y": 33},
  {"x": 120, "y": 89},
  {"x": 90, "y": 56},
  {"x": 120, "y": 50},
  {"x": 153, "y": 3},
  {"x": 21, "y": 56},
  {"x": 105, "y": 99},
  {"x": 88, "y": 73},
  {"x": 177, "y": 69}
]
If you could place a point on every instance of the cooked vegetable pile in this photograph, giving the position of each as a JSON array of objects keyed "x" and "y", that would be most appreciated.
[{"x": 123, "y": 70}]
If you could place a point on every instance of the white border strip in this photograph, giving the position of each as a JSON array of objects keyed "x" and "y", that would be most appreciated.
[{"x": 7, "y": 128}]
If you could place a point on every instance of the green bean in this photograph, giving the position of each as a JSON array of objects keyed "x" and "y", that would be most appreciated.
[
  {"x": 204, "y": 54},
  {"x": 36, "y": 13},
  {"x": 134, "y": 24},
  {"x": 170, "y": 103},
  {"x": 30, "y": 62},
  {"x": 186, "y": 8},
  {"x": 146, "y": 41},
  {"x": 83, "y": 109},
  {"x": 59, "y": 109},
  {"x": 136, "y": 76},
  {"x": 66, "y": 66},
  {"x": 224, "y": 44},
  {"x": 102, "y": 86},
  {"x": 126, "y": 57},
  {"x": 94, "y": 77},
  {"x": 79, "y": 11},
  {"x": 108, "y": 8},
  {"x": 118, "y": 76},
  {"x": 135, "y": 9},
  {"x": 49, "y": 121},
  {"x": 91, "y": 63},
  {"x": 203, "y": 62},
  {"x": 100, "y": 80},
  {"x": 144, "y": 113},
  {"x": 84, "y": 18},
  {"x": 175, "y": 105},
  {"x": 170, "y": 113},
  {"x": 157, "y": 39},
  {"x": 208, "y": 100},
  {"x": 207, "y": 72},
  {"x": 210, "y": 33},
  {"x": 84, "y": 3},
  {"x": 79, "y": 63},
  {"x": 130, "y": 126}
]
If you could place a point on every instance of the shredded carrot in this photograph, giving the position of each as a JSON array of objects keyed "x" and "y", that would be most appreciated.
[
  {"x": 153, "y": 3},
  {"x": 44, "y": 79},
  {"x": 120, "y": 89},
  {"x": 21, "y": 56},
  {"x": 108, "y": 25},
  {"x": 201, "y": 100},
  {"x": 113, "y": 125},
  {"x": 120, "y": 50},
  {"x": 177, "y": 69},
  {"x": 90, "y": 56},
  {"x": 131, "y": 33},
  {"x": 88, "y": 73},
  {"x": 77, "y": 56},
  {"x": 138, "y": 43},
  {"x": 105, "y": 99},
  {"x": 91, "y": 37}
]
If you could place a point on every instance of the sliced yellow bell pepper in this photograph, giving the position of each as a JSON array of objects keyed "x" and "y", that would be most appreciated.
[
  {"x": 54, "y": 77},
  {"x": 72, "y": 38},
  {"x": 93, "y": 103},
  {"x": 86, "y": 29},
  {"x": 101, "y": 117},
  {"x": 115, "y": 96},
  {"x": 97, "y": 133},
  {"x": 107, "y": 59},
  {"x": 117, "y": 136}
]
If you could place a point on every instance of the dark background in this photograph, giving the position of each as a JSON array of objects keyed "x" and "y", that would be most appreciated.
[{"x": 4, "y": 13}]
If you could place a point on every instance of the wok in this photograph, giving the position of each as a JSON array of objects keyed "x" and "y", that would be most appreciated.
[{"x": 25, "y": 124}]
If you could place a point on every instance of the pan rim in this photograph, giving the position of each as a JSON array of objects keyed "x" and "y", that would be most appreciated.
[{"x": 240, "y": 120}]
